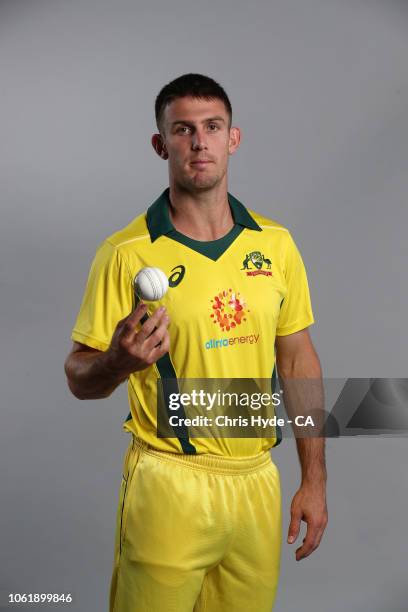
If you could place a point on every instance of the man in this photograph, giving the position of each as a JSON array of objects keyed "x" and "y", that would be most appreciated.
[{"x": 199, "y": 520}]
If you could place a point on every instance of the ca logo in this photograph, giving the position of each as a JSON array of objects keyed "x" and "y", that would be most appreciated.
[{"x": 177, "y": 276}]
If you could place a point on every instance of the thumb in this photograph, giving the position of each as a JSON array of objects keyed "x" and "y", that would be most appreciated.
[{"x": 294, "y": 527}]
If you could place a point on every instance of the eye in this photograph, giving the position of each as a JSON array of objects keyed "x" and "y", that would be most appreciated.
[
  {"x": 184, "y": 129},
  {"x": 213, "y": 127}
]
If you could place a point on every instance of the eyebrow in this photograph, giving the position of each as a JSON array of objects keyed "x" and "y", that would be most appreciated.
[{"x": 216, "y": 118}]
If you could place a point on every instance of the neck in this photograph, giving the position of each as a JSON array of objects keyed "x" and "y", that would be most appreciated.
[{"x": 204, "y": 215}]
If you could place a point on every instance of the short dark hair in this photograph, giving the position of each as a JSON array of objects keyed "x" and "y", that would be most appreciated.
[{"x": 194, "y": 85}]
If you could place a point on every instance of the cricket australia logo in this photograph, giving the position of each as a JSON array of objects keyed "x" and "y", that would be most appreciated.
[{"x": 258, "y": 260}]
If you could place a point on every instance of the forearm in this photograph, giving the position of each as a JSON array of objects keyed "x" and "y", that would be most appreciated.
[
  {"x": 311, "y": 452},
  {"x": 301, "y": 380},
  {"x": 89, "y": 375},
  {"x": 310, "y": 447},
  {"x": 304, "y": 398}
]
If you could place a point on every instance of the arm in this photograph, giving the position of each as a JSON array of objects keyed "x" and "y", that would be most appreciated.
[
  {"x": 297, "y": 359},
  {"x": 88, "y": 375},
  {"x": 93, "y": 374}
]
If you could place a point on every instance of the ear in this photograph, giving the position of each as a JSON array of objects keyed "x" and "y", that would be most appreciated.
[
  {"x": 159, "y": 146},
  {"x": 234, "y": 140}
]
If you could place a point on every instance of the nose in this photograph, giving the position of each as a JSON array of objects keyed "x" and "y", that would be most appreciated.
[{"x": 198, "y": 142}]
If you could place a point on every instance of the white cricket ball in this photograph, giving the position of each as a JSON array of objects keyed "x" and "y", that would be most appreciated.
[{"x": 151, "y": 284}]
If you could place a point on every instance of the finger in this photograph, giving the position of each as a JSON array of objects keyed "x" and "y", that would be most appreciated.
[
  {"x": 148, "y": 327},
  {"x": 125, "y": 319},
  {"x": 157, "y": 335},
  {"x": 314, "y": 534},
  {"x": 144, "y": 318},
  {"x": 159, "y": 351},
  {"x": 310, "y": 542},
  {"x": 127, "y": 326},
  {"x": 135, "y": 316},
  {"x": 319, "y": 534},
  {"x": 294, "y": 527}
]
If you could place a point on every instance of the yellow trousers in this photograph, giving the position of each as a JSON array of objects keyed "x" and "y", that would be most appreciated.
[{"x": 196, "y": 533}]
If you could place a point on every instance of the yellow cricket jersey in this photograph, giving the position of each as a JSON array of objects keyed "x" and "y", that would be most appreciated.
[{"x": 227, "y": 300}]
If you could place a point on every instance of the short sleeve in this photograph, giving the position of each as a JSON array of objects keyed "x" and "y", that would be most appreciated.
[
  {"x": 108, "y": 298},
  {"x": 296, "y": 309}
]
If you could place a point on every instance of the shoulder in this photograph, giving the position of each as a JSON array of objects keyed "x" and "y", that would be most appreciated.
[
  {"x": 272, "y": 230},
  {"x": 135, "y": 231},
  {"x": 265, "y": 223},
  {"x": 278, "y": 237},
  {"x": 119, "y": 248}
]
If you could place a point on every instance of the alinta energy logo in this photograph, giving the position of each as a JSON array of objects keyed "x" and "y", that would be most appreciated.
[
  {"x": 228, "y": 311},
  {"x": 258, "y": 260}
]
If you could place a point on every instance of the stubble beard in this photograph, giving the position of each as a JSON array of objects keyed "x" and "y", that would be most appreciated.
[{"x": 200, "y": 181}]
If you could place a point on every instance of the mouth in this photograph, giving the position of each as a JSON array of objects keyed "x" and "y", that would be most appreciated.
[{"x": 200, "y": 163}]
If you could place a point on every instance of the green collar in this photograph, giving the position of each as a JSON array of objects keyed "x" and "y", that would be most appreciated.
[{"x": 159, "y": 223}]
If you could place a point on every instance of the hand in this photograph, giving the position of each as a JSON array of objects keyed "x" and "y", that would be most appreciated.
[
  {"x": 309, "y": 505},
  {"x": 131, "y": 351}
]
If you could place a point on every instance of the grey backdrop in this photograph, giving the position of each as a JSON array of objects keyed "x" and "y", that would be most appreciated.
[{"x": 320, "y": 90}]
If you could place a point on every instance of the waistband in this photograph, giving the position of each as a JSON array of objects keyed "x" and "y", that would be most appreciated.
[{"x": 210, "y": 463}]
